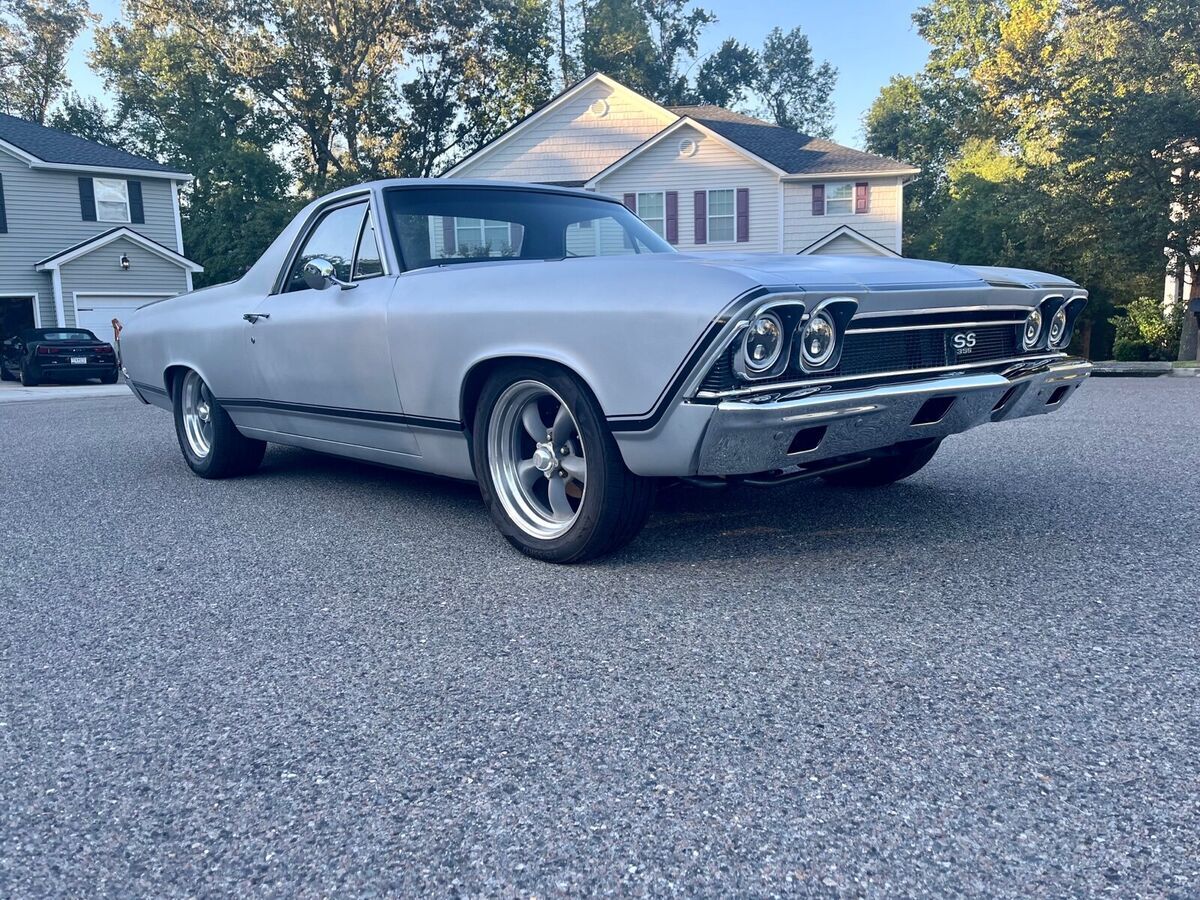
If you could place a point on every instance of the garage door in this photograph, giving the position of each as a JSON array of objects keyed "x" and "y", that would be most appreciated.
[{"x": 96, "y": 313}]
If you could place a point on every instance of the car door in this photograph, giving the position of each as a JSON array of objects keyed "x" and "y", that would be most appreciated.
[{"x": 321, "y": 357}]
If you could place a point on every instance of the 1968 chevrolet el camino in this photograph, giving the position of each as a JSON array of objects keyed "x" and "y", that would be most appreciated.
[{"x": 549, "y": 345}]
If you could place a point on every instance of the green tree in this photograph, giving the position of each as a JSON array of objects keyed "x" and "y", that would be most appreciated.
[
  {"x": 727, "y": 76},
  {"x": 795, "y": 91},
  {"x": 36, "y": 37},
  {"x": 85, "y": 117},
  {"x": 176, "y": 103}
]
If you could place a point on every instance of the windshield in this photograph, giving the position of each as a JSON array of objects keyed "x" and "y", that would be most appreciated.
[
  {"x": 444, "y": 226},
  {"x": 60, "y": 335}
]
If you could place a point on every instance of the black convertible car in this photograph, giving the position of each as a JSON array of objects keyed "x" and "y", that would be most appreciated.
[{"x": 57, "y": 354}]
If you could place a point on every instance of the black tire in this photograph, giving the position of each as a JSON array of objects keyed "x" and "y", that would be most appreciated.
[
  {"x": 615, "y": 503},
  {"x": 230, "y": 452},
  {"x": 28, "y": 379},
  {"x": 898, "y": 463},
  {"x": 5, "y": 375},
  {"x": 109, "y": 379}
]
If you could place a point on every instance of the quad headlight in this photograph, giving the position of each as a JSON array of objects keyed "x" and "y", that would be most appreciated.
[
  {"x": 1032, "y": 331},
  {"x": 763, "y": 342},
  {"x": 1059, "y": 335},
  {"x": 818, "y": 340}
]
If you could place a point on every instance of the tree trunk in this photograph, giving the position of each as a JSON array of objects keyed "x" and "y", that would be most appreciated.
[{"x": 1189, "y": 338}]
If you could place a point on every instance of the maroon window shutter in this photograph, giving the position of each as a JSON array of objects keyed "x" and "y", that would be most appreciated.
[
  {"x": 818, "y": 206},
  {"x": 700, "y": 216},
  {"x": 862, "y": 196},
  {"x": 743, "y": 215},
  {"x": 630, "y": 202},
  {"x": 672, "y": 217},
  {"x": 449, "y": 242}
]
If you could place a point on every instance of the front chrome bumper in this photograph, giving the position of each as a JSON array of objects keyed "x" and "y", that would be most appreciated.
[{"x": 744, "y": 437}]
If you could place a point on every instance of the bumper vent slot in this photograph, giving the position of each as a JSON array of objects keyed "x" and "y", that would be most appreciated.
[
  {"x": 933, "y": 410},
  {"x": 808, "y": 439}
]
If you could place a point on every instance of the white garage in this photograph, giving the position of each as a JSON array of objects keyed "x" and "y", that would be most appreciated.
[{"x": 95, "y": 312}]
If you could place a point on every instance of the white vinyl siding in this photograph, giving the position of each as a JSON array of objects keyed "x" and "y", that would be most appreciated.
[
  {"x": 652, "y": 209},
  {"x": 844, "y": 245},
  {"x": 713, "y": 167},
  {"x": 570, "y": 142},
  {"x": 881, "y": 223}
]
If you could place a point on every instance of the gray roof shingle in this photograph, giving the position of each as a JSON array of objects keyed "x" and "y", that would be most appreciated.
[
  {"x": 795, "y": 153},
  {"x": 54, "y": 146}
]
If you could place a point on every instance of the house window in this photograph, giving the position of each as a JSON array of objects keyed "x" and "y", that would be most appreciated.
[
  {"x": 482, "y": 237},
  {"x": 112, "y": 200},
  {"x": 722, "y": 225},
  {"x": 839, "y": 199},
  {"x": 651, "y": 209}
]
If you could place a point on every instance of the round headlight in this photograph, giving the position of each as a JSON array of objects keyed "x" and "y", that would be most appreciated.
[
  {"x": 763, "y": 343},
  {"x": 1058, "y": 328},
  {"x": 817, "y": 340},
  {"x": 1033, "y": 330}
]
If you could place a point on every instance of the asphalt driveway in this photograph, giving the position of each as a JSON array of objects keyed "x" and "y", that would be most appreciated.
[{"x": 335, "y": 679}]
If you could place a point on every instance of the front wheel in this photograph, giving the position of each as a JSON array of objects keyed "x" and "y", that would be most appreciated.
[
  {"x": 211, "y": 444},
  {"x": 899, "y": 462},
  {"x": 549, "y": 470}
]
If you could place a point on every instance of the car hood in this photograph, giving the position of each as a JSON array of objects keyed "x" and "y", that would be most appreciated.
[{"x": 870, "y": 273}]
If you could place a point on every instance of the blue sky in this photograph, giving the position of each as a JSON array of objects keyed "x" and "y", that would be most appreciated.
[{"x": 868, "y": 40}]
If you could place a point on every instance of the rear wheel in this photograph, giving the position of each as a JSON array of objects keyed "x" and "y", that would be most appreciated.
[
  {"x": 109, "y": 379},
  {"x": 549, "y": 469},
  {"x": 211, "y": 444},
  {"x": 28, "y": 378},
  {"x": 901, "y": 461}
]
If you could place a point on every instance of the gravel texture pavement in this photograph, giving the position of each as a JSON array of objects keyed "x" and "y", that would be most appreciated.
[{"x": 334, "y": 679}]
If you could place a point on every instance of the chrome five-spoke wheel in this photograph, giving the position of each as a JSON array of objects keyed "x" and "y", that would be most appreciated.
[
  {"x": 197, "y": 403},
  {"x": 537, "y": 459}
]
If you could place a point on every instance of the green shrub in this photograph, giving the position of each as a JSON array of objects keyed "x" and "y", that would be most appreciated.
[{"x": 1147, "y": 331}]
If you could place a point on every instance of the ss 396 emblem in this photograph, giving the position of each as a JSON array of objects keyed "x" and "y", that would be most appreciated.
[{"x": 964, "y": 341}]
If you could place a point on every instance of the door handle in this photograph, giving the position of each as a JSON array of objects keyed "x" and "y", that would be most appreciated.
[{"x": 254, "y": 317}]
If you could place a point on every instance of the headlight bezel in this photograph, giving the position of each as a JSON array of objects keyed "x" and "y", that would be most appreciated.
[
  {"x": 837, "y": 312},
  {"x": 787, "y": 311},
  {"x": 820, "y": 318},
  {"x": 757, "y": 367},
  {"x": 1034, "y": 317}
]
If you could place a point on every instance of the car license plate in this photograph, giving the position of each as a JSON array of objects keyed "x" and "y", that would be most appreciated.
[{"x": 79, "y": 360}]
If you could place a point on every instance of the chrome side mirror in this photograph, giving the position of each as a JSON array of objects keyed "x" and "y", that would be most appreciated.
[{"x": 319, "y": 274}]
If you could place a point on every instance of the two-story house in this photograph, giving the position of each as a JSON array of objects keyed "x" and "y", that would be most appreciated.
[
  {"x": 703, "y": 177},
  {"x": 86, "y": 231}
]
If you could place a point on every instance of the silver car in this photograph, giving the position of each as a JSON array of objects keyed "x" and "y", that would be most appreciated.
[{"x": 547, "y": 344}]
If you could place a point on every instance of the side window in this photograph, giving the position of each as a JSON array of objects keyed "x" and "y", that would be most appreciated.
[
  {"x": 333, "y": 239},
  {"x": 367, "y": 262}
]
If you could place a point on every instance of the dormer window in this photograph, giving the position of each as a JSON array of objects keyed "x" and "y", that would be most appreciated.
[{"x": 112, "y": 199}]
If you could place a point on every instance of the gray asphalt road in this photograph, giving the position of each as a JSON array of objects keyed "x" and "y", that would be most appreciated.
[{"x": 336, "y": 679}]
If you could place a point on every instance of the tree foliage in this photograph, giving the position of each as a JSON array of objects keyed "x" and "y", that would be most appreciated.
[
  {"x": 1053, "y": 134},
  {"x": 35, "y": 38}
]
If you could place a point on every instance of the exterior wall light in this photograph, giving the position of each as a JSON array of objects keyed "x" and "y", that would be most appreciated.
[{"x": 124, "y": 262}]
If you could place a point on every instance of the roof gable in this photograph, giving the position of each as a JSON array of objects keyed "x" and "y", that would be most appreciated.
[
  {"x": 42, "y": 147},
  {"x": 682, "y": 124},
  {"x": 845, "y": 232},
  {"x": 566, "y": 139},
  {"x": 94, "y": 243}
]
